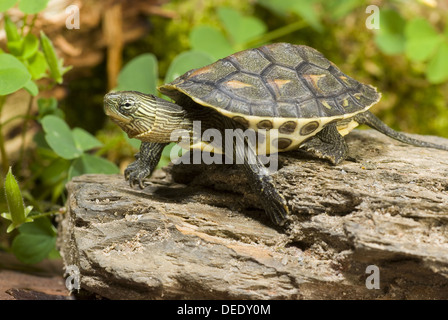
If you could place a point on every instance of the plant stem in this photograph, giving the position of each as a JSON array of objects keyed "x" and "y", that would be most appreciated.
[
  {"x": 22, "y": 29},
  {"x": 19, "y": 116},
  {"x": 24, "y": 131},
  {"x": 32, "y": 23},
  {"x": 277, "y": 33},
  {"x": 5, "y": 161},
  {"x": 46, "y": 214}
]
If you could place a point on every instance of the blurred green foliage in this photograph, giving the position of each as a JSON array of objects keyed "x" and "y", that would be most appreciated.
[
  {"x": 60, "y": 153},
  {"x": 406, "y": 58}
]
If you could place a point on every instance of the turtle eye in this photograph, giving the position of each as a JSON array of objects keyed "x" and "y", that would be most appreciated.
[{"x": 126, "y": 106}]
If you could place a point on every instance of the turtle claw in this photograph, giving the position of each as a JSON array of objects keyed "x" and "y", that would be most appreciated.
[
  {"x": 136, "y": 173},
  {"x": 275, "y": 205},
  {"x": 139, "y": 182},
  {"x": 279, "y": 212},
  {"x": 133, "y": 181},
  {"x": 145, "y": 163},
  {"x": 273, "y": 202}
]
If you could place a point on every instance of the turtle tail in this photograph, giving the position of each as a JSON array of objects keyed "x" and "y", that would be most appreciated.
[{"x": 372, "y": 121}]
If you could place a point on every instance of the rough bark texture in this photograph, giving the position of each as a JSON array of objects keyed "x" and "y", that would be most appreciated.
[{"x": 197, "y": 231}]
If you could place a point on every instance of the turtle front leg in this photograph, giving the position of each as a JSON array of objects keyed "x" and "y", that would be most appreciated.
[
  {"x": 273, "y": 202},
  {"x": 145, "y": 163},
  {"x": 328, "y": 144},
  {"x": 261, "y": 182}
]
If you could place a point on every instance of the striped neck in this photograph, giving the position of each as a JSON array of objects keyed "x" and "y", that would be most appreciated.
[{"x": 168, "y": 117}]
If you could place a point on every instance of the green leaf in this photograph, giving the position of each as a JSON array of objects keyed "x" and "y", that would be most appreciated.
[
  {"x": 51, "y": 57},
  {"x": 47, "y": 106},
  {"x": 240, "y": 28},
  {"x": 15, "y": 47},
  {"x": 30, "y": 46},
  {"x": 41, "y": 226},
  {"x": 282, "y": 7},
  {"x": 16, "y": 209},
  {"x": 37, "y": 66},
  {"x": 422, "y": 40},
  {"x": 84, "y": 140},
  {"x": 91, "y": 164},
  {"x": 12, "y": 79},
  {"x": 14, "y": 198},
  {"x": 35, "y": 241},
  {"x": 43, "y": 149},
  {"x": 210, "y": 40},
  {"x": 339, "y": 9},
  {"x": 437, "y": 71},
  {"x": 32, "y": 248},
  {"x": 139, "y": 74},
  {"x": 12, "y": 34},
  {"x": 305, "y": 9},
  {"x": 391, "y": 22},
  {"x": 6, "y": 4},
  {"x": 391, "y": 44},
  {"x": 60, "y": 138},
  {"x": 54, "y": 254},
  {"x": 9, "y": 61},
  {"x": 31, "y": 87},
  {"x": 390, "y": 37},
  {"x": 32, "y": 6},
  {"x": 186, "y": 61},
  {"x": 55, "y": 172},
  {"x": 13, "y": 74}
]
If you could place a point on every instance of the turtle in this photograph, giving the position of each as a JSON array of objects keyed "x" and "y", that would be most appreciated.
[{"x": 287, "y": 91}]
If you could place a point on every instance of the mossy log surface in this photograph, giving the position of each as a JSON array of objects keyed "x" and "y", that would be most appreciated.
[{"x": 198, "y": 232}]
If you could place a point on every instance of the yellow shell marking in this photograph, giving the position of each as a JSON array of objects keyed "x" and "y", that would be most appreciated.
[
  {"x": 344, "y": 129},
  {"x": 278, "y": 83},
  {"x": 344, "y": 78},
  {"x": 326, "y": 105},
  {"x": 235, "y": 84},
  {"x": 200, "y": 71},
  {"x": 314, "y": 79}
]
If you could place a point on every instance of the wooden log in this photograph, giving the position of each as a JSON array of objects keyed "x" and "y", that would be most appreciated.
[{"x": 198, "y": 232}]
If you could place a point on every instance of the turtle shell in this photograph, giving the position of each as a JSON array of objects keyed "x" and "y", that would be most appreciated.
[{"x": 292, "y": 88}]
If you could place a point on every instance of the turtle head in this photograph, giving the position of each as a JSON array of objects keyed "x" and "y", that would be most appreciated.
[{"x": 143, "y": 116}]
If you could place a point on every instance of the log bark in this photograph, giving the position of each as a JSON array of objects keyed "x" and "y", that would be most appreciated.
[{"x": 198, "y": 232}]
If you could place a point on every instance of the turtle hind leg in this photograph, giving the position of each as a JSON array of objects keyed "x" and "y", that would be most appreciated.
[
  {"x": 328, "y": 144},
  {"x": 372, "y": 121}
]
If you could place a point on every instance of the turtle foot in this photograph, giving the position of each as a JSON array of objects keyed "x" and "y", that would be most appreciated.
[{"x": 136, "y": 173}]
